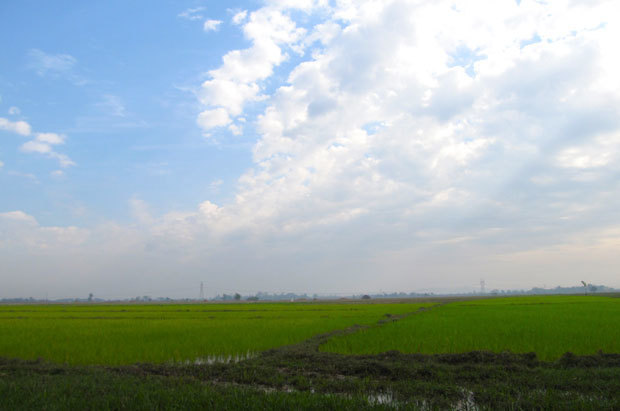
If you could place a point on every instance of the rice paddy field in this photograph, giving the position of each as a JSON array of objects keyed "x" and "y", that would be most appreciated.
[
  {"x": 552, "y": 352},
  {"x": 125, "y": 334},
  {"x": 548, "y": 326}
]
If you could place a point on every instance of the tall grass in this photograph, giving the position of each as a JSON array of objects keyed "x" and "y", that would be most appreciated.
[
  {"x": 124, "y": 334},
  {"x": 548, "y": 326}
]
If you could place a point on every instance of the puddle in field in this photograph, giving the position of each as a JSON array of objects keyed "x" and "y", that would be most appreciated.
[{"x": 220, "y": 359}]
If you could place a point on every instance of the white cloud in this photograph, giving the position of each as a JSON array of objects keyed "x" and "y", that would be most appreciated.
[
  {"x": 14, "y": 111},
  {"x": 395, "y": 122},
  {"x": 239, "y": 17},
  {"x": 236, "y": 82},
  {"x": 25, "y": 231},
  {"x": 211, "y": 25},
  {"x": 35, "y": 146},
  {"x": 112, "y": 105},
  {"x": 43, "y": 63},
  {"x": 1, "y": 164},
  {"x": 50, "y": 138},
  {"x": 63, "y": 160},
  {"x": 416, "y": 144},
  {"x": 213, "y": 118},
  {"x": 43, "y": 144},
  {"x": 236, "y": 129},
  {"x": 19, "y": 127},
  {"x": 140, "y": 211},
  {"x": 192, "y": 14},
  {"x": 18, "y": 216},
  {"x": 28, "y": 176},
  {"x": 216, "y": 184}
]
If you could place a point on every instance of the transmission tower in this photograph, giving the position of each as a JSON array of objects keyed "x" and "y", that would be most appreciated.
[
  {"x": 482, "y": 286},
  {"x": 202, "y": 291}
]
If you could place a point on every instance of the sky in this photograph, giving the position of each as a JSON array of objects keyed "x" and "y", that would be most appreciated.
[{"x": 318, "y": 146}]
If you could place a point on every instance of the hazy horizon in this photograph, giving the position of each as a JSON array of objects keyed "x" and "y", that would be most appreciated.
[{"x": 307, "y": 146}]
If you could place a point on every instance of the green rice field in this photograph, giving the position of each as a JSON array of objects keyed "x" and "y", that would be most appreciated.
[
  {"x": 126, "y": 334},
  {"x": 549, "y": 326},
  {"x": 310, "y": 356}
]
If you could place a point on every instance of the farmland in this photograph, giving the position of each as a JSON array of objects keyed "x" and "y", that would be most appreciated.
[
  {"x": 525, "y": 352},
  {"x": 126, "y": 334},
  {"x": 547, "y": 326}
]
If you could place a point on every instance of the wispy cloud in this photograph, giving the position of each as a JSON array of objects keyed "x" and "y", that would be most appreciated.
[
  {"x": 44, "y": 63},
  {"x": 192, "y": 14},
  {"x": 112, "y": 105},
  {"x": 28, "y": 176},
  {"x": 54, "y": 65},
  {"x": 44, "y": 143}
]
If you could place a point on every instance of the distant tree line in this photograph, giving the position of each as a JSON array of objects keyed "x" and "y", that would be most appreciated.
[{"x": 263, "y": 296}]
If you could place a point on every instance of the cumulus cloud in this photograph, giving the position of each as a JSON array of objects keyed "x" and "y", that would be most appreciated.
[
  {"x": 19, "y": 127},
  {"x": 213, "y": 118},
  {"x": 402, "y": 125},
  {"x": 408, "y": 145},
  {"x": 236, "y": 81},
  {"x": 14, "y": 111}
]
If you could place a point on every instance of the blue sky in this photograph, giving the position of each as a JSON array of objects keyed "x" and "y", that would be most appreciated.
[
  {"x": 309, "y": 146},
  {"x": 117, "y": 80}
]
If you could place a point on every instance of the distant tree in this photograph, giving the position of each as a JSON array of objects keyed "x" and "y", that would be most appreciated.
[
  {"x": 90, "y": 297},
  {"x": 237, "y": 296},
  {"x": 253, "y": 298},
  {"x": 365, "y": 297},
  {"x": 585, "y": 287},
  {"x": 592, "y": 288}
]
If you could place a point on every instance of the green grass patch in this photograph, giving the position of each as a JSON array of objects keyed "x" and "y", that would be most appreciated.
[
  {"x": 95, "y": 389},
  {"x": 125, "y": 334},
  {"x": 549, "y": 326}
]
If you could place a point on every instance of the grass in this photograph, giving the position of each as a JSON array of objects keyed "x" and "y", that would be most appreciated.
[
  {"x": 549, "y": 326},
  {"x": 97, "y": 389},
  {"x": 301, "y": 377},
  {"x": 125, "y": 334}
]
